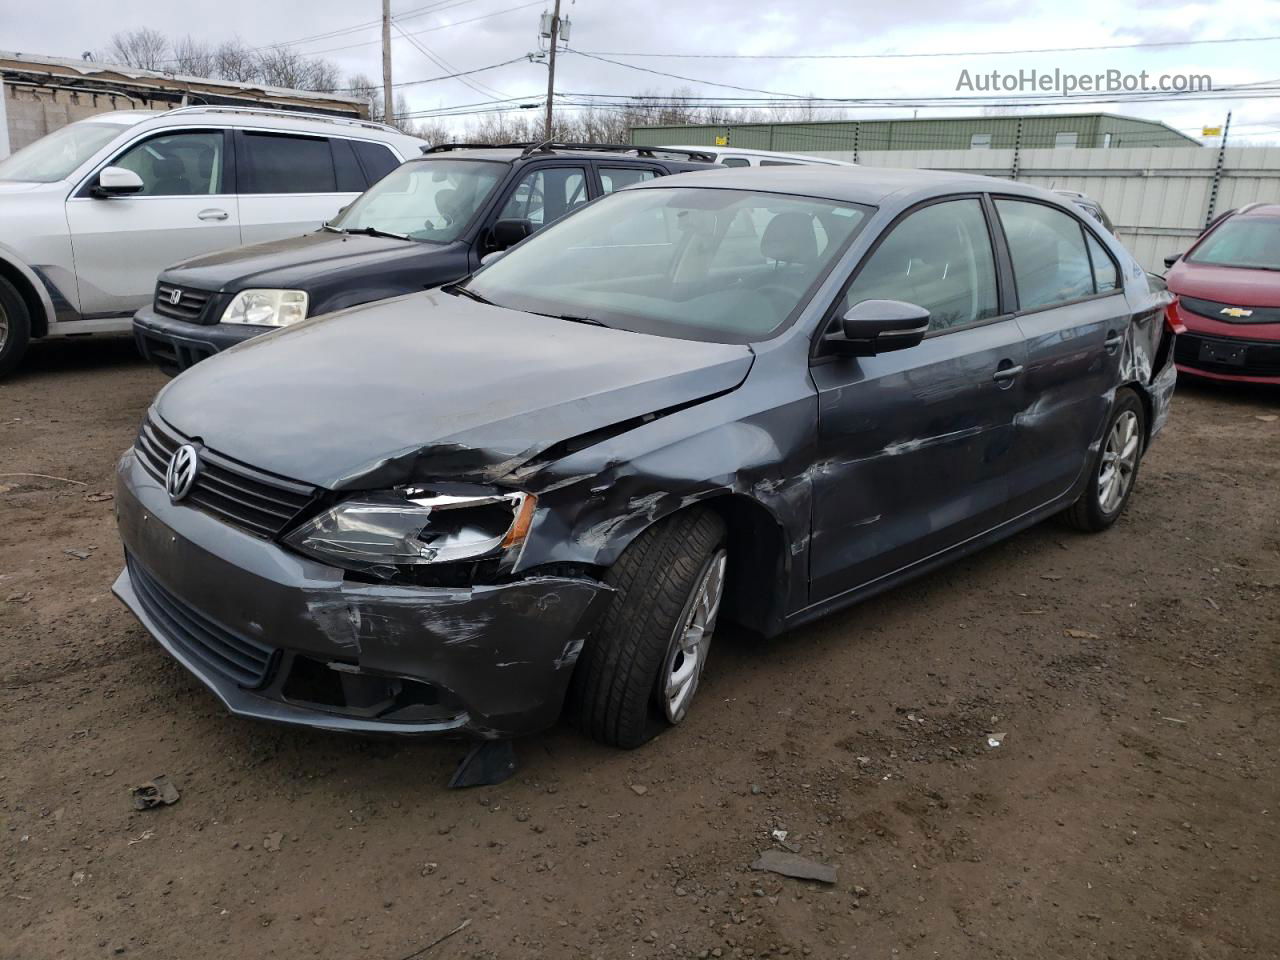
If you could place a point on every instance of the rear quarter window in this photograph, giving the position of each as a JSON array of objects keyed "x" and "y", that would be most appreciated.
[{"x": 376, "y": 158}]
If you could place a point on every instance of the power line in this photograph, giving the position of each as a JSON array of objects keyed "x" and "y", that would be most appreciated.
[
  {"x": 1222, "y": 93},
  {"x": 459, "y": 75},
  {"x": 437, "y": 7},
  {"x": 441, "y": 26},
  {"x": 910, "y": 56},
  {"x": 676, "y": 76}
]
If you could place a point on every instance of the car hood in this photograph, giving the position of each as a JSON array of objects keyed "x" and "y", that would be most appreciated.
[
  {"x": 278, "y": 263},
  {"x": 433, "y": 386},
  {"x": 27, "y": 186},
  {"x": 1247, "y": 288}
]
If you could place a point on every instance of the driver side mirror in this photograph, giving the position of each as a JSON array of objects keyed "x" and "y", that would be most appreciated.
[
  {"x": 507, "y": 233},
  {"x": 878, "y": 326},
  {"x": 1171, "y": 259},
  {"x": 116, "y": 182}
]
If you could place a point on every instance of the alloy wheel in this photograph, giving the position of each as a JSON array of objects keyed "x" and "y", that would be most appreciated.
[
  {"x": 687, "y": 653},
  {"x": 1119, "y": 461}
]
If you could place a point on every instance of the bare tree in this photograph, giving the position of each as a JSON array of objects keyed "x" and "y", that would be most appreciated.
[
  {"x": 146, "y": 49},
  {"x": 234, "y": 61},
  {"x": 284, "y": 67},
  {"x": 193, "y": 58}
]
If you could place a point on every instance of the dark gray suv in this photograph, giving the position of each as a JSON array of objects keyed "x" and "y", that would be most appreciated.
[{"x": 753, "y": 395}]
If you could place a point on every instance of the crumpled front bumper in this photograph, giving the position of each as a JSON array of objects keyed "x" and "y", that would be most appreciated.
[
  {"x": 278, "y": 636},
  {"x": 175, "y": 345}
]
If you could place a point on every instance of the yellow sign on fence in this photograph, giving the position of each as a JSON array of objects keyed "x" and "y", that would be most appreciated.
[
  {"x": 1211, "y": 132},
  {"x": 724, "y": 141}
]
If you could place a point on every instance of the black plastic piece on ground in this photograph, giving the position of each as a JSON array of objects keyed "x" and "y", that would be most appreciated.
[{"x": 488, "y": 763}]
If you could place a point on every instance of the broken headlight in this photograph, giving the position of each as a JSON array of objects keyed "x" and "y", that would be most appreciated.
[
  {"x": 267, "y": 308},
  {"x": 380, "y": 533}
]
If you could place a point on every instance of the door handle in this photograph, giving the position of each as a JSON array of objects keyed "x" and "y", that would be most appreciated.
[
  {"x": 1112, "y": 343},
  {"x": 1006, "y": 372},
  {"x": 212, "y": 214}
]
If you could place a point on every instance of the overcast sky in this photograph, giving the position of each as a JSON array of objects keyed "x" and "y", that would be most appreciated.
[{"x": 68, "y": 27}]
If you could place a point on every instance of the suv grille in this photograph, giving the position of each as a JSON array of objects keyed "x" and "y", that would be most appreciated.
[
  {"x": 218, "y": 650},
  {"x": 261, "y": 503},
  {"x": 191, "y": 303}
]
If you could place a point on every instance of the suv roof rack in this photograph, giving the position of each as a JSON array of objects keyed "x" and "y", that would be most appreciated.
[
  {"x": 293, "y": 114},
  {"x": 550, "y": 146},
  {"x": 446, "y": 147}
]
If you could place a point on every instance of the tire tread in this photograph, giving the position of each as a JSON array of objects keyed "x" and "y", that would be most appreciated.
[{"x": 611, "y": 694}]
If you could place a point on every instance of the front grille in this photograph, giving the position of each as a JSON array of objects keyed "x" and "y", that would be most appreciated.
[
  {"x": 1261, "y": 359},
  {"x": 261, "y": 503},
  {"x": 191, "y": 304},
  {"x": 1212, "y": 309},
  {"x": 215, "y": 648}
]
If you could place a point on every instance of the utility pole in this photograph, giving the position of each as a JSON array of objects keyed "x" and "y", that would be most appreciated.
[
  {"x": 551, "y": 68},
  {"x": 388, "y": 101}
]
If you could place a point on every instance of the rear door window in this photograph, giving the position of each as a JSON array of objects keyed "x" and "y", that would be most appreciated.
[
  {"x": 284, "y": 163},
  {"x": 938, "y": 258},
  {"x": 1050, "y": 262},
  {"x": 735, "y": 162}
]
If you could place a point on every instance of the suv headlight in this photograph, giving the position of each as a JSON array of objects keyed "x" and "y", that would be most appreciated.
[
  {"x": 381, "y": 532},
  {"x": 267, "y": 308}
]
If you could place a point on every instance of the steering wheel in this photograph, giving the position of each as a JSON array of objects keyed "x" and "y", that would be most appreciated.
[{"x": 780, "y": 297}]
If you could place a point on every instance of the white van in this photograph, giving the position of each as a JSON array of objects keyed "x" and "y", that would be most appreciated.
[{"x": 737, "y": 157}]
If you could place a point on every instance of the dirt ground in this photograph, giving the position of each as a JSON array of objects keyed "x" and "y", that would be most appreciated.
[{"x": 1130, "y": 810}]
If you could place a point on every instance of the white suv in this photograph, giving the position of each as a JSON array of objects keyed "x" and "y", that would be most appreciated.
[{"x": 91, "y": 213}]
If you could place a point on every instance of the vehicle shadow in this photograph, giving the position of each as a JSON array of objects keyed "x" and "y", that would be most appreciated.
[
  {"x": 65, "y": 355},
  {"x": 1226, "y": 391}
]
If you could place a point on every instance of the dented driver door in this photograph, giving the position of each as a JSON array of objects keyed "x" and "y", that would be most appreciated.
[{"x": 915, "y": 453}]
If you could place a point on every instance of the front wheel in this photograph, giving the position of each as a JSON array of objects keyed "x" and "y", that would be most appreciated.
[
  {"x": 639, "y": 671},
  {"x": 1115, "y": 468},
  {"x": 15, "y": 327}
]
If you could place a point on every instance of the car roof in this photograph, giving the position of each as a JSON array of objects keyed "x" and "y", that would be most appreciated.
[
  {"x": 1260, "y": 210},
  {"x": 852, "y": 184},
  {"x": 240, "y": 116}
]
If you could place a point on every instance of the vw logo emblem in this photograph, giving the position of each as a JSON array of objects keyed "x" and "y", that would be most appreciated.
[
  {"x": 181, "y": 475},
  {"x": 175, "y": 296}
]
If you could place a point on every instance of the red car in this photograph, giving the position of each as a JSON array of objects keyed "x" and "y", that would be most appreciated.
[{"x": 1228, "y": 287}]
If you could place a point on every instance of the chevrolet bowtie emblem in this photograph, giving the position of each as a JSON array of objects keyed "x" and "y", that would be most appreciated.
[{"x": 1236, "y": 312}]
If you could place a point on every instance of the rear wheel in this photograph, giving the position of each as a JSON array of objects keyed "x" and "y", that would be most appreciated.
[
  {"x": 1115, "y": 468},
  {"x": 15, "y": 327},
  {"x": 639, "y": 671}
]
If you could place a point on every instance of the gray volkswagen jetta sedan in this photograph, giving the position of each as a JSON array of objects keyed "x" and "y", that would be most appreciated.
[{"x": 755, "y": 396}]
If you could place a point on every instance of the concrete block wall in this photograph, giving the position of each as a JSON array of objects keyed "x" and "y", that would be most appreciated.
[{"x": 31, "y": 112}]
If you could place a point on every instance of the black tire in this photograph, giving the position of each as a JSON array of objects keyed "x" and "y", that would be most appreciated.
[
  {"x": 15, "y": 318},
  {"x": 615, "y": 694},
  {"x": 1090, "y": 513}
]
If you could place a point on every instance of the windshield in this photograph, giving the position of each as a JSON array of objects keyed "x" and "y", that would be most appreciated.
[
  {"x": 430, "y": 200},
  {"x": 1249, "y": 242},
  {"x": 703, "y": 264},
  {"x": 56, "y": 156}
]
